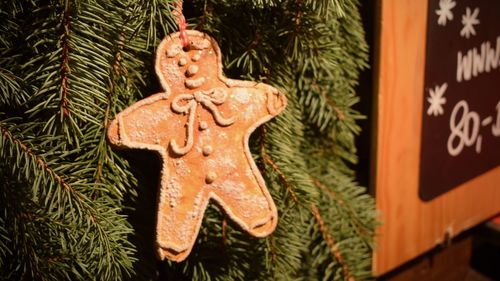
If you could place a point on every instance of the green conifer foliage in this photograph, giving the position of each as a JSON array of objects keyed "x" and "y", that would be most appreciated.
[{"x": 71, "y": 208}]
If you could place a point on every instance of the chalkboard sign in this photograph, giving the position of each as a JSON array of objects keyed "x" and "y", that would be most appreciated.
[{"x": 461, "y": 114}]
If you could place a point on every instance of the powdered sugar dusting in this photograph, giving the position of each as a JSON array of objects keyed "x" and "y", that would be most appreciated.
[
  {"x": 181, "y": 168},
  {"x": 137, "y": 135},
  {"x": 226, "y": 161},
  {"x": 211, "y": 164},
  {"x": 250, "y": 112},
  {"x": 242, "y": 95},
  {"x": 143, "y": 127},
  {"x": 173, "y": 191},
  {"x": 257, "y": 202},
  {"x": 172, "y": 72},
  {"x": 174, "y": 50},
  {"x": 251, "y": 204},
  {"x": 200, "y": 44},
  {"x": 184, "y": 231},
  {"x": 196, "y": 206},
  {"x": 222, "y": 135},
  {"x": 230, "y": 186},
  {"x": 163, "y": 115}
]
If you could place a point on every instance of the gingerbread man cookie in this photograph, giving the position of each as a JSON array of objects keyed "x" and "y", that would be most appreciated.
[{"x": 200, "y": 127}]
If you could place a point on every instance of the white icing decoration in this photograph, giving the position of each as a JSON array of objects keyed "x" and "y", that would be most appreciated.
[
  {"x": 207, "y": 150},
  {"x": 209, "y": 99},
  {"x": 203, "y": 125},
  {"x": 211, "y": 177},
  {"x": 194, "y": 83},
  {"x": 192, "y": 70},
  {"x": 182, "y": 62},
  {"x": 189, "y": 141},
  {"x": 196, "y": 57}
]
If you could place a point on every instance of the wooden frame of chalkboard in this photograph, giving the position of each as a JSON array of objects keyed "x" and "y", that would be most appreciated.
[{"x": 414, "y": 222}]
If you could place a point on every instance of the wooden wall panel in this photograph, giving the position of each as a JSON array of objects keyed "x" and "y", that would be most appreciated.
[{"x": 410, "y": 226}]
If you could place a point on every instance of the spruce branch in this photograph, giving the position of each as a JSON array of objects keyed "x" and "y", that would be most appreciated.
[
  {"x": 40, "y": 162},
  {"x": 361, "y": 228},
  {"x": 331, "y": 243},
  {"x": 274, "y": 166},
  {"x": 66, "y": 204}
]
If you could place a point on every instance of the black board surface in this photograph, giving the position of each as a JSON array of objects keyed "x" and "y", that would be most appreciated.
[{"x": 461, "y": 111}]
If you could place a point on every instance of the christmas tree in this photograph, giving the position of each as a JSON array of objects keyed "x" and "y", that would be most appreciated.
[{"x": 72, "y": 208}]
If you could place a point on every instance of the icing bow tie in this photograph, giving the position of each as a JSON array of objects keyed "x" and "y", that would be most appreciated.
[{"x": 188, "y": 103}]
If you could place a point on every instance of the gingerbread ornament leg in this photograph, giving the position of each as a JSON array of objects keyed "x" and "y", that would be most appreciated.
[{"x": 200, "y": 125}]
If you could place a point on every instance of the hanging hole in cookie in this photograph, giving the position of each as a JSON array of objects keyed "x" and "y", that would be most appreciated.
[{"x": 186, "y": 48}]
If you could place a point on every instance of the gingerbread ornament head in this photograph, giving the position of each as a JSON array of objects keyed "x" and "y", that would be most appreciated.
[{"x": 200, "y": 125}]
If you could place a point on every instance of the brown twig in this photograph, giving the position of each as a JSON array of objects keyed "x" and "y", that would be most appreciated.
[
  {"x": 361, "y": 229},
  {"x": 273, "y": 248},
  {"x": 297, "y": 17},
  {"x": 326, "y": 235},
  {"x": 331, "y": 243},
  {"x": 39, "y": 160},
  {"x": 275, "y": 167},
  {"x": 330, "y": 192},
  {"x": 45, "y": 166},
  {"x": 333, "y": 105},
  {"x": 329, "y": 101}
]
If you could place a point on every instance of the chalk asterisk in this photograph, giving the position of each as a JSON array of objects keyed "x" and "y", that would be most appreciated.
[
  {"x": 436, "y": 100},
  {"x": 469, "y": 20},
  {"x": 444, "y": 11}
]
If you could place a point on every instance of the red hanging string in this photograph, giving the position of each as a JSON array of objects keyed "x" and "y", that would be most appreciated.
[{"x": 181, "y": 22}]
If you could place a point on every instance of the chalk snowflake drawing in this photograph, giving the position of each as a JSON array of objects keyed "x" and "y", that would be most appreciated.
[
  {"x": 469, "y": 20},
  {"x": 444, "y": 11},
  {"x": 436, "y": 100}
]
